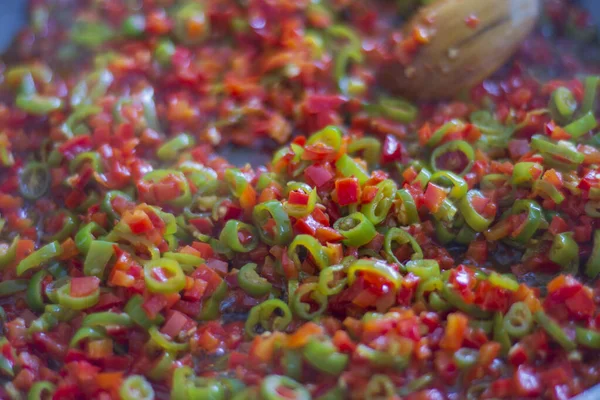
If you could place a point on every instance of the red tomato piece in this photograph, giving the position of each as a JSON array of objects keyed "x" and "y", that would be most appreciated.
[{"x": 83, "y": 286}]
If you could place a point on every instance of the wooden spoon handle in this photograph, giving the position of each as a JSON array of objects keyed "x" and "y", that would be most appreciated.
[{"x": 459, "y": 54}]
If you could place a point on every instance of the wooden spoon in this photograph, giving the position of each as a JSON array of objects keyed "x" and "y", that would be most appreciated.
[{"x": 460, "y": 54}]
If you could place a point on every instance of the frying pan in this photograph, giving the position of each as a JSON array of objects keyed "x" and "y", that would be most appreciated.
[{"x": 13, "y": 15}]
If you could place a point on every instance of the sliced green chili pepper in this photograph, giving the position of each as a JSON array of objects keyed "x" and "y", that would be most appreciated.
[
  {"x": 136, "y": 387},
  {"x": 302, "y": 210},
  {"x": 281, "y": 233},
  {"x": 587, "y": 337},
  {"x": 458, "y": 186},
  {"x": 382, "y": 359},
  {"x": 518, "y": 321},
  {"x": 562, "y": 155},
  {"x": 457, "y": 301},
  {"x": 263, "y": 314},
  {"x": 503, "y": 281},
  {"x": 302, "y": 309},
  {"x": 533, "y": 221},
  {"x": 270, "y": 388},
  {"x": 41, "y": 390},
  {"x": 90, "y": 34},
  {"x": 161, "y": 367},
  {"x": 377, "y": 209},
  {"x": 230, "y": 236},
  {"x": 523, "y": 173},
  {"x": 8, "y": 288},
  {"x": 590, "y": 86},
  {"x": 170, "y": 149},
  {"x": 400, "y": 237},
  {"x": 36, "y": 104},
  {"x": 185, "y": 196},
  {"x": 34, "y": 297},
  {"x": 456, "y": 145},
  {"x": 8, "y": 252},
  {"x": 441, "y": 132},
  {"x": 478, "y": 222},
  {"x": 581, "y": 126},
  {"x": 39, "y": 257},
  {"x": 292, "y": 363},
  {"x": 323, "y": 355},
  {"x": 592, "y": 267},
  {"x": 313, "y": 247},
  {"x": 416, "y": 384},
  {"x": 164, "y": 343},
  {"x": 98, "y": 256},
  {"x": 327, "y": 277},
  {"x": 398, "y": 109},
  {"x": 554, "y": 330},
  {"x": 374, "y": 266},
  {"x": 466, "y": 358},
  {"x": 34, "y": 180},
  {"x": 164, "y": 275},
  {"x": 562, "y": 104},
  {"x": 348, "y": 167},
  {"x": 85, "y": 236},
  {"x": 500, "y": 333},
  {"x": 356, "y": 229},
  {"x": 69, "y": 223},
  {"x": 251, "y": 282},
  {"x": 406, "y": 208},
  {"x": 134, "y": 309},
  {"x": 424, "y": 269},
  {"x": 370, "y": 147},
  {"x": 76, "y": 303},
  {"x": 107, "y": 318},
  {"x": 210, "y": 309},
  {"x": 86, "y": 333},
  {"x": 564, "y": 250},
  {"x": 330, "y": 136}
]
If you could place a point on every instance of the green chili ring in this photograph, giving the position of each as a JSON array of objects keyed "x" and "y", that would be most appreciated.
[
  {"x": 174, "y": 283},
  {"x": 455, "y": 145},
  {"x": 401, "y": 237},
  {"x": 356, "y": 229},
  {"x": 283, "y": 228},
  {"x": 478, "y": 222},
  {"x": 518, "y": 321},
  {"x": 262, "y": 313},
  {"x": 406, "y": 209},
  {"x": 302, "y": 309},
  {"x": 229, "y": 236},
  {"x": 327, "y": 276},
  {"x": 533, "y": 221},
  {"x": 269, "y": 388},
  {"x": 251, "y": 282},
  {"x": 314, "y": 248}
]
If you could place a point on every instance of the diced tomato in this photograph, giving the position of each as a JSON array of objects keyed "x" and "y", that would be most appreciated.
[
  {"x": 347, "y": 191},
  {"x": 454, "y": 334},
  {"x": 581, "y": 304},
  {"x": 205, "y": 249},
  {"x": 298, "y": 197},
  {"x": 526, "y": 382},
  {"x": 434, "y": 196},
  {"x": 318, "y": 174},
  {"x": 562, "y": 287},
  {"x": 84, "y": 286},
  {"x": 392, "y": 150},
  {"x": 558, "y": 225},
  {"x": 176, "y": 323}
]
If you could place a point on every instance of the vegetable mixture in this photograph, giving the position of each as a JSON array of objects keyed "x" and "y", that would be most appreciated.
[{"x": 388, "y": 250}]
